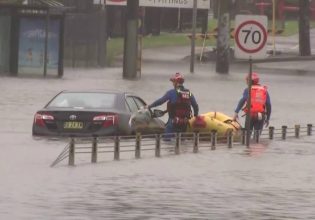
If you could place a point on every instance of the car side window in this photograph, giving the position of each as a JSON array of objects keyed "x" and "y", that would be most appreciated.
[
  {"x": 131, "y": 104},
  {"x": 140, "y": 102}
]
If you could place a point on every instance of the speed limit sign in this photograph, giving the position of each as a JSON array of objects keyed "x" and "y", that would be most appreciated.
[{"x": 250, "y": 36}]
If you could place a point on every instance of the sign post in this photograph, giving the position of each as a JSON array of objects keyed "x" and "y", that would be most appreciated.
[{"x": 250, "y": 43}]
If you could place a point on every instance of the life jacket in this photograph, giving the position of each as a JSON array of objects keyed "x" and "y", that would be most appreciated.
[
  {"x": 180, "y": 111},
  {"x": 258, "y": 99}
]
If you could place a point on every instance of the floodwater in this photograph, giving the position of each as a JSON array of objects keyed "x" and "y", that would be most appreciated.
[{"x": 274, "y": 180}]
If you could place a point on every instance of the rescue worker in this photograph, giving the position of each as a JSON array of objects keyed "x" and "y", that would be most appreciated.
[
  {"x": 260, "y": 109},
  {"x": 179, "y": 102}
]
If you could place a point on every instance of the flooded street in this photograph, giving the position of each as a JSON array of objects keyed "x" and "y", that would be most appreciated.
[{"x": 267, "y": 181}]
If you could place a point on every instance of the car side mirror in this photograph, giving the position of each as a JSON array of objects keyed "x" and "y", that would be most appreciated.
[{"x": 157, "y": 113}]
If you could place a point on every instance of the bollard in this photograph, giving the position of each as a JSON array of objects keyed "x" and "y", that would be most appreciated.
[
  {"x": 213, "y": 139},
  {"x": 271, "y": 132},
  {"x": 257, "y": 134},
  {"x": 243, "y": 138},
  {"x": 116, "y": 148},
  {"x": 196, "y": 142},
  {"x": 309, "y": 129},
  {"x": 157, "y": 145},
  {"x": 177, "y": 143},
  {"x": 94, "y": 150},
  {"x": 71, "y": 152},
  {"x": 297, "y": 131},
  {"x": 138, "y": 145},
  {"x": 284, "y": 132},
  {"x": 230, "y": 139}
]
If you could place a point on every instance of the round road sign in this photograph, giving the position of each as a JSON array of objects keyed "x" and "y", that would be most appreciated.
[{"x": 250, "y": 36}]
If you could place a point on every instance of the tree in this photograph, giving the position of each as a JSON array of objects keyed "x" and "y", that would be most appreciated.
[
  {"x": 304, "y": 28},
  {"x": 131, "y": 40},
  {"x": 223, "y": 40}
]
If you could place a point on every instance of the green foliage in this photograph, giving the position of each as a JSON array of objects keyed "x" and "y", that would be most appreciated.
[{"x": 115, "y": 45}]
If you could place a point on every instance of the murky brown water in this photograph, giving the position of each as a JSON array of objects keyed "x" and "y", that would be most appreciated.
[{"x": 274, "y": 181}]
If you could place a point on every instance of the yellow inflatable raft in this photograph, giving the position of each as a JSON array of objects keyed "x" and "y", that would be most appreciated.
[{"x": 221, "y": 123}]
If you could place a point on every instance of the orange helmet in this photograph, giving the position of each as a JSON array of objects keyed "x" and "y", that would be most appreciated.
[
  {"x": 178, "y": 78},
  {"x": 255, "y": 78}
]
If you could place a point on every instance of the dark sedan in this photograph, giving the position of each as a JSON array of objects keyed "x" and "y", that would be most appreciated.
[{"x": 90, "y": 113}]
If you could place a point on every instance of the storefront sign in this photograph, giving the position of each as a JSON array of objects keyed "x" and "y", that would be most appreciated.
[{"x": 201, "y": 4}]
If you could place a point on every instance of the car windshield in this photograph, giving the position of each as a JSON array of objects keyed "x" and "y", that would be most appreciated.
[{"x": 83, "y": 100}]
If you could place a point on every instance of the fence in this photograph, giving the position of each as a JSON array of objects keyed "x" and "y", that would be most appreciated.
[{"x": 116, "y": 147}]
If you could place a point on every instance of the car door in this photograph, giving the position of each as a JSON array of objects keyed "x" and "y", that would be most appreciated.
[
  {"x": 133, "y": 108},
  {"x": 156, "y": 125}
]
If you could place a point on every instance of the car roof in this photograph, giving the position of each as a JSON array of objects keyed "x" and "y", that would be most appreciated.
[{"x": 98, "y": 91}]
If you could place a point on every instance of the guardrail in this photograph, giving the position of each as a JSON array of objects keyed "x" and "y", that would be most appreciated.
[{"x": 166, "y": 144}]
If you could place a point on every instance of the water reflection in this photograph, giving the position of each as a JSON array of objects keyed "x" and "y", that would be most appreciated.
[
  {"x": 256, "y": 149},
  {"x": 273, "y": 180}
]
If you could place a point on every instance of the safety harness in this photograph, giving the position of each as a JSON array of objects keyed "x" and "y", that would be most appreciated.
[{"x": 180, "y": 111}]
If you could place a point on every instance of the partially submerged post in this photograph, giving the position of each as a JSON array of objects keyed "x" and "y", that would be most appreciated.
[
  {"x": 196, "y": 142},
  {"x": 230, "y": 138},
  {"x": 271, "y": 132},
  {"x": 138, "y": 145},
  {"x": 309, "y": 129},
  {"x": 116, "y": 148},
  {"x": 213, "y": 139},
  {"x": 284, "y": 132},
  {"x": 71, "y": 152},
  {"x": 94, "y": 150},
  {"x": 297, "y": 131},
  {"x": 157, "y": 145}
]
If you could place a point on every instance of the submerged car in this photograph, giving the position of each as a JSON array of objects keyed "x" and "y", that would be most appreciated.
[{"x": 90, "y": 113}]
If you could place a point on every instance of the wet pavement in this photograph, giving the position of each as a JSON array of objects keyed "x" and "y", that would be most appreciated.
[{"x": 267, "y": 181}]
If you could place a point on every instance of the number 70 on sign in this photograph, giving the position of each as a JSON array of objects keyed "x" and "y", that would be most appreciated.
[{"x": 250, "y": 36}]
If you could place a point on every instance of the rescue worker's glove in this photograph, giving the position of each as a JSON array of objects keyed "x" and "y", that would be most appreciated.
[{"x": 235, "y": 117}]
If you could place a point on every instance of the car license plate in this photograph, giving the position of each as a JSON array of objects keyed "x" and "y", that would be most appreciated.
[{"x": 73, "y": 125}]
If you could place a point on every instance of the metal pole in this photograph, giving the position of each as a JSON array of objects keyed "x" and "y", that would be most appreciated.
[
  {"x": 178, "y": 20},
  {"x": 297, "y": 131},
  {"x": 284, "y": 132},
  {"x": 46, "y": 43},
  {"x": 196, "y": 142},
  {"x": 94, "y": 150},
  {"x": 193, "y": 37},
  {"x": 248, "y": 104},
  {"x": 138, "y": 144},
  {"x": 309, "y": 129},
  {"x": 71, "y": 152},
  {"x": 158, "y": 145},
  {"x": 213, "y": 139},
  {"x": 271, "y": 132},
  {"x": 116, "y": 148},
  {"x": 274, "y": 26},
  {"x": 230, "y": 139}
]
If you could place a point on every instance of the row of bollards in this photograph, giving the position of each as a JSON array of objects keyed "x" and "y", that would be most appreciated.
[{"x": 178, "y": 137}]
